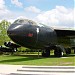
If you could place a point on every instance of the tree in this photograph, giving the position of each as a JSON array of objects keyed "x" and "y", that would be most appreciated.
[{"x": 3, "y": 31}]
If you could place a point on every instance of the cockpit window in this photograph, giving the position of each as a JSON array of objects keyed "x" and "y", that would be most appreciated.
[
  {"x": 28, "y": 22},
  {"x": 21, "y": 21},
  {"x": 24, "y": 21},
  {"x": 16, "y": 21},
  {"x": 41, "y": 25}
]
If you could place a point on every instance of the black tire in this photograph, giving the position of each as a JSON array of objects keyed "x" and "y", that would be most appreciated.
[
  {"x": 58, "y": 52},
  {"x": 46, "y": 52},
  {"x": 68, "y": 50}
]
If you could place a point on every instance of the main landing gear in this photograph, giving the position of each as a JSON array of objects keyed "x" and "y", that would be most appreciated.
[
  {"x": 58, "y": 51},
  {"x": 46, "y": 52}
]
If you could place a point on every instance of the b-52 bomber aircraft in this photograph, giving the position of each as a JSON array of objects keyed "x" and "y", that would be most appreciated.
[{"x": 34, "y": 35}]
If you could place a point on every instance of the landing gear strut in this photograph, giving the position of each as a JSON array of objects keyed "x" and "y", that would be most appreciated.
[
  {"x": 46, "y": 52},
  {"x": 58, "y": 52},
  {"x": 68, "y": 50}
]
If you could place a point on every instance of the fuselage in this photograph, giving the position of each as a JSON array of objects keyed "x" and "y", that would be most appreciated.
[{"x": 31, "y": 35}]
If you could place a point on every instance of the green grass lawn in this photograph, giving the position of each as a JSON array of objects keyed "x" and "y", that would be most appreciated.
[{"x": 35, "y": 60}]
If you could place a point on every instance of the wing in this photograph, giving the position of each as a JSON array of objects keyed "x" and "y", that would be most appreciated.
[{"x": 64, "y": 33}]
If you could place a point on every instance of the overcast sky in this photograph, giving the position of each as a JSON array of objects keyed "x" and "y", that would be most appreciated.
[{"x": 54, "y": 13}]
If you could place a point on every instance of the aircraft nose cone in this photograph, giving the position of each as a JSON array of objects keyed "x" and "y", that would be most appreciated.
[
  {"x": 23, "y": 32},
  {"x": 13, "y": 30},
  {"x": 10, "y": 31}
]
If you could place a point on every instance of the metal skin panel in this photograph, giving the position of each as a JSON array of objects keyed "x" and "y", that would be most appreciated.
[
  {"x": 65, "y": 37},
  {"x": 32, "y": 36},
  {"x": 46, "y": 36}
]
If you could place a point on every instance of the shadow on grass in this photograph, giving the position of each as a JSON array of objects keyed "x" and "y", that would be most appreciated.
[{"x": 21, "y": 58}]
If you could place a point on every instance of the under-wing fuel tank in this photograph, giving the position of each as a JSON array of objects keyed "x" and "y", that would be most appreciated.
[{"x": 29, "y": 34}]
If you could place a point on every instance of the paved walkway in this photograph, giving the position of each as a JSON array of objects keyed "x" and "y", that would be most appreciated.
[
  {"x": 7, "y": 69},
  {"x": 36, "y": 70}
]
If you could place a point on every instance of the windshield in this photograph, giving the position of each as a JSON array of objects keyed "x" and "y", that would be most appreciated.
[
  {"x": 41, "y": 25},
  {"x": 24, "y": 21},
  {"x": 29, "y": 22}
]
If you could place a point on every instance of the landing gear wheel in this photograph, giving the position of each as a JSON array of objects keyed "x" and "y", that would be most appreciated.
[
  {"x": 46, "y": 52},
  {"x": 58, "y": 52},
  {"x": 68, "y": 51}
]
